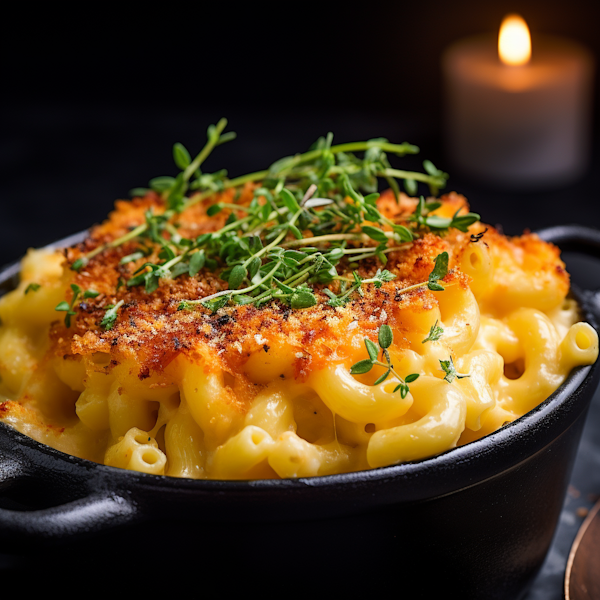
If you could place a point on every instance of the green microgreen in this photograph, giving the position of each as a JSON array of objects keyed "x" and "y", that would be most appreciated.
[
  {"x": 196, "y": 262},
  {"x": 345, "y": 296},
  {"x": 309, "y": 212},
  {"x": 32, "y": 287},
  {"x": 69, "y": 307},
  {"x": 423, "y": 218},
  {"x": 174, "y": 189},
  {"x": 435, "y": 333},
  {"x": 450, "y": 370},
  {"x": 80, "y": 263},
  {"x": 141, "y": 252},
  {"x": 385, "y": 339},
  {"x": 440, "y": 270},
  {"x": 110, "y": 316}
]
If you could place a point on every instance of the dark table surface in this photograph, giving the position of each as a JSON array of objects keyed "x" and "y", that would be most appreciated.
[{"x": 61, "y": 168}]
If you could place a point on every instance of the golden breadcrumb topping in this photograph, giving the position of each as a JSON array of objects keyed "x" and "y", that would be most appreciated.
[{"x": 151, "y": 329}]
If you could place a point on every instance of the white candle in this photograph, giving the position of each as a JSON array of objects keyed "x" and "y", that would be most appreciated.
[{"x": 518, "y": 121}]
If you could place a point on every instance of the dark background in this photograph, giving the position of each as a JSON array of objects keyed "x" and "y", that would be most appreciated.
[{"x": 92, "y": 101}]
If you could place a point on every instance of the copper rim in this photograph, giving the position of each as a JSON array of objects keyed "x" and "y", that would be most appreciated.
[{"x": 574, "y": 548}]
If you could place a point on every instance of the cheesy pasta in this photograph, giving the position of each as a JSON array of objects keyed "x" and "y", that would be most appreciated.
[{"x": 94, "y": 364}]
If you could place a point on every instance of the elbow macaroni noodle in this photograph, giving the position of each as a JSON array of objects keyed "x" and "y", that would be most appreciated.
[{"x": 511, "y": 329}]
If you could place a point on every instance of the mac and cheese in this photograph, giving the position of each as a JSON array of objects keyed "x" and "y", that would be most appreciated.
[{"x": 242, "y": 391}]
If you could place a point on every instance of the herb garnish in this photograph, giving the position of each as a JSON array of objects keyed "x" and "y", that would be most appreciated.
[
  {"x": 450, "y": 370},
  {"x": 438, "y": 224},
  {"x": 308, "y": 212},
  {"x": 435, "y": 333},
  {"x": 345, "y": 296},
  {"x": 110, "y": 316},
  {"x": 440, "y": 270},
  {"x": 385, "y": 339},
  {"x": 32, "y": 287},
  {"x": 69, "y": 307}
]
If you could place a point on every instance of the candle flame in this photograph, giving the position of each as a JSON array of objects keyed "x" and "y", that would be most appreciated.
[{"x": 514, "y": 41}]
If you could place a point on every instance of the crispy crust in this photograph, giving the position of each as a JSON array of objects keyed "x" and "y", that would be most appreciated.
[{"x": 151, "y": 331}]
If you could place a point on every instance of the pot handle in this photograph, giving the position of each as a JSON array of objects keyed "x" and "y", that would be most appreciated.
[
  {"x": 576, "y": 238},
  {"x": 66, "y": 522},
  {"x": 63, "y": 523},
  {"x": 585, "y": 240}
]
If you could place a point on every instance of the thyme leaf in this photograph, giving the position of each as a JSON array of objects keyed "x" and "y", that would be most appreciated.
[
  {"x": 435, "y": 333},
  {"x": 69, "y": 307},
  {"x": 385, "y": 339},
  {"x": 308, "y": 212},
  {"x": 440, "y": 270},
  {"x": 450, "y": 370},
  {"x": 32, "y": 287},
  {"x": 110, "y": 316}
]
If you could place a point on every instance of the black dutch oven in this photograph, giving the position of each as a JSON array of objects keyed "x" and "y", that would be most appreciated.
[{"x": 476, "y": 521}]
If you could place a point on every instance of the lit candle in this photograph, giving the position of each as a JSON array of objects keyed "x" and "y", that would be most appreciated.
[{"x": 518, "y": 113}]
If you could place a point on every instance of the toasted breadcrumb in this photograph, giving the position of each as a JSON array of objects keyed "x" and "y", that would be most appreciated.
[{"x": 152, "y": 330}]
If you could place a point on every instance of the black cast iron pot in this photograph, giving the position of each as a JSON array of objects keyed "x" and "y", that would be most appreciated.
[{"x": 476, "y": 521}]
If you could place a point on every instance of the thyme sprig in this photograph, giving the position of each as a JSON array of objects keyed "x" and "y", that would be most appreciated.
[
  {"x": 435, "y": 333},
  {"x": 385, "y": 339},
  {"x": 345, "y": 296},
  {"x": 423, "y": 218},
  {"x": 308, "y": 212},
  {"x": 110, "y": 316},
  {"x": 439, "y": 271},
  {"x": 450, "y": 370},
  {"x": 69, "y": 307},
  {"x": 174, "y": 189}
]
